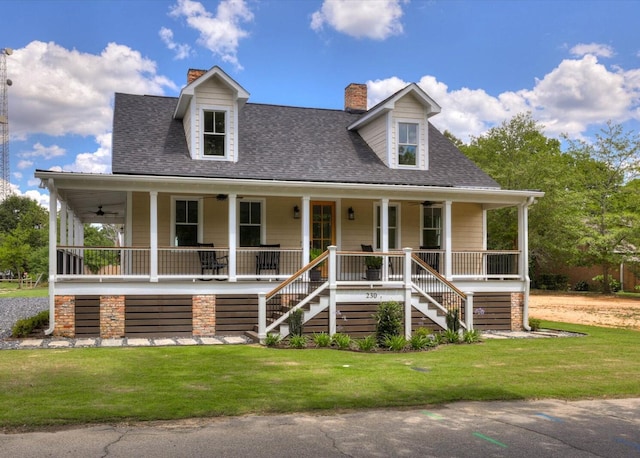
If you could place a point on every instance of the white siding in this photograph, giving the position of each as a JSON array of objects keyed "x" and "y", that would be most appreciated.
[
  {"x": 375, "y": 134},
  {"x": 466, "y": 230},
  {"x": 409, "y": 109}
]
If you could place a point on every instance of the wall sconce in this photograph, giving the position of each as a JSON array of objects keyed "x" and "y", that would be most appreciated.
[
  {"x": 351, "y": 214},
  {"x": 296, "y": 212}
]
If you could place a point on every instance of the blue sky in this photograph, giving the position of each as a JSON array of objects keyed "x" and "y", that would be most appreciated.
[{"x": 573, "y": 64}]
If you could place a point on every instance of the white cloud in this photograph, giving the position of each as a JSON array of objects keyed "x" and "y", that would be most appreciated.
[
  {"x": 24, "y": 164},
  {"x": 577, "y": 94},
  {"x": 596, "y": 49},
  {"x": 46, "y": 152},
  {"x": 98, "y": 161},
  {"x": 220, "y": 34},
  {"x": 17, "y": 175},
  {"x": 57, "y": 91},
  {"x": 182, "y": 50},
  {"x": 374, "y": 19}
]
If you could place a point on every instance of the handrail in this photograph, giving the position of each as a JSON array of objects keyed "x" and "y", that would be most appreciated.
[
  {"x": 316, "y": 262},
  {"x": 436, "y": 274}
]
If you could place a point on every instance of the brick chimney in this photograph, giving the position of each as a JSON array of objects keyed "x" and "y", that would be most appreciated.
[
  {"x": 355, "y": 98},
  {"x": 193, "y": 74}
]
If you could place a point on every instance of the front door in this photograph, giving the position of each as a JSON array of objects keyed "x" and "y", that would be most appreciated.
[{"x": 323, "y": 230}]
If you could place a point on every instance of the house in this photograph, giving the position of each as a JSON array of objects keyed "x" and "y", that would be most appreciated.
[{"x": 225, "y": 205}]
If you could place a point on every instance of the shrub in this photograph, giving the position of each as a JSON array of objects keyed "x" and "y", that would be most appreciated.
[
  {"x": 438, "y": 339},
  {"x": 272, "y": 340},
  {"x": 451, "y": 336},
  {"x": 471, "y": 336},
  {"x": 453, "y": 322},
  {"x": 422, "y": 332},
  {"x": 366, "y": 343},
  {"x": 295, "y": 319},
  {"x": 535, "y": 324},
  {"x": 556, "y": 282},
  {"x": 342, "y": 341},
  {"x": 322, "y": 339},
  {"x": 419, "y": 341},
  {"x": 582, "y": 285},
  {"x": 26, "y": 326},
  {"x": 395, "y": 343},
  {"x": 298, "y": 341},
  {"x": 388, "y": 321}
]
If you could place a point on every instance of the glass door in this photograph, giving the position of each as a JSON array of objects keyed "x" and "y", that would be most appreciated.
[{"x": 323, "y": 231}]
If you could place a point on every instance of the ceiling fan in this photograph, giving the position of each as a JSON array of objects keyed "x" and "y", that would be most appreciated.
[
  {"x": 426, "y": 203},
  {"x": 101, "y": 212}
]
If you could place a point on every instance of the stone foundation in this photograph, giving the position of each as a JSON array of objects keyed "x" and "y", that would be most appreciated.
[
  {"x": 517, "y": 310},
  {"x": 65, "y": 316},
  {"x": 204, "y": 315},
  {"x": 111, "y": 316}
]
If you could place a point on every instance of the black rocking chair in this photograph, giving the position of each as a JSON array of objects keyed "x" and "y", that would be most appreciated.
[
  {"x": 431, "y": 259},
  {"x": 268, "y": 260},
  {"x": 210, "y": 261}
]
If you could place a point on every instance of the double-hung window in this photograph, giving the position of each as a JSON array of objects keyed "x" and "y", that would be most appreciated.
[
  {"x": 394, "y": 227},
  {"x": 250, "y": 223},
  {"x": 408, "y": 144},
  {"x": 432, "y": 228},
  {"x": 214, "y": 132},
  {"x": 186, "y": 222}
]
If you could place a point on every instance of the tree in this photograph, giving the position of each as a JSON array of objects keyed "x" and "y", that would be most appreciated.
[
  {"x": 610, "y": 202},
  {"x": 519, "y": 156},
  {"x": 100, "y": 236}
]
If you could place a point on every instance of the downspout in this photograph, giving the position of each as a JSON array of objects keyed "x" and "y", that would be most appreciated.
[
  {"x": 53, "y": 253},
  {"x": 525, "y": 253}
]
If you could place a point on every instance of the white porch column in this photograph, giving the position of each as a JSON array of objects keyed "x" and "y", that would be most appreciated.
[
  {"x": 468, "y": 311},
  {"x": 407, "y": 292},
  {"x": 523, "y": 261},
  {"x": 70, "y": 227},
  {"x": 333, "y": 263},
  {"x": 233, "y": 236},
  {"x": 53, "y": 253},
  {"x": 153, "y": 235},
  {"x": 128, "y": 221},
  {"x": 63, "y": 233},
  {"x": 384, "y": 224},
  {"x": 305, "y": 228},
  {"x": 448, "y": 257}
]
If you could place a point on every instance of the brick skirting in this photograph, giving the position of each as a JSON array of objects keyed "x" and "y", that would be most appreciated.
[
  {"x": 111, "y": 316},
  {"x": 204, "y": 315},
  {"x": 517, "y": 309},
  {"x": 65, "y": 316}
]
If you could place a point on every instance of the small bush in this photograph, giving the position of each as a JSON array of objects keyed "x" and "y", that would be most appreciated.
[
  {"x": 272, "y": 340},
  {"x": 535, "y": 324},
  {"x": 298, "y": 341},
  {"x": 438, "y": 339},
  {"x": 395, "y": 343},
  {"x": 582, "y": 285},
  {"x": 453, "y": 320},
  {"x": 419, "y": 341},
  {"x": 342, "y": 341},
  {"x": 451, "y": 336},
  {"x": 422, "y": 332},
  {"x": 295, "y": 320},
  {"x": 388, "y": 321},
  {"x": 556, "y": 282},
  {"x": 471, "y": 336},
  {"x": 366, "y": 343},
  {"x": 26, "y": 326},
  {"x": 322, "y": 339}
]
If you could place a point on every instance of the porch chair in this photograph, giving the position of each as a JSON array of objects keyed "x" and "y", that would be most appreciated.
[
  {"x": 268, "y": 260},
  {"x": 210, "y": 261},
  {"x": 431, "y": 259}
]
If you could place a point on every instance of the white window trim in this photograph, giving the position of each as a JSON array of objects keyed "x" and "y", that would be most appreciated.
[
  {"x": 422, "y": 228},
  {"x": 172, "y": 236},
  {"x": 263, "y": 219},
  {"x": 227, "y": 134},
  {"x": 398, "y": 225},
  {"x": 420, "y": 145}
]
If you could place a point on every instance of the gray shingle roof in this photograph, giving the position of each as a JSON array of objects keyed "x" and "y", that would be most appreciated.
[{"x": 276, "y": 143}]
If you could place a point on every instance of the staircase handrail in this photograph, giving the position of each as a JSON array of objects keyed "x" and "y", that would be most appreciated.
[{"x": 316, "y": 262}]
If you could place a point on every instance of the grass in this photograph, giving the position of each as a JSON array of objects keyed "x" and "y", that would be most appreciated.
[
  {"x": 10, "y": 289},
  {"x": 74, "y": 386}
]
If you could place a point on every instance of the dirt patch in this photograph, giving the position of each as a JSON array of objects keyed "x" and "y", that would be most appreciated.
[{"x": 596, "y": 310}]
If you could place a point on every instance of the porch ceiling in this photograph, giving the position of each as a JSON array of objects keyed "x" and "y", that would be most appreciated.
[{"x": 86, "y": 205}]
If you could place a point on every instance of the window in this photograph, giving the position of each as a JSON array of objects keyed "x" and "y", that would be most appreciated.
[
  {"x": 394, "y": 227},
  {"x": 186, "y": 229},
  {"x": 250, "y": 223},
  {"x": 213, "y": 133},
  {"x": 432, "y": 228},
  {"x": 407, "y": 144}
]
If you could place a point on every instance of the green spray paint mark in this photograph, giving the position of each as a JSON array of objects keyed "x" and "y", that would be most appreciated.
[
  {"x": 435, "y": 416},
  {"x": 488, "y": 439}
]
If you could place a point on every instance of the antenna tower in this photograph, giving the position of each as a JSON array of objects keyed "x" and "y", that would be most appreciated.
[{"x": 5, "y": 186}]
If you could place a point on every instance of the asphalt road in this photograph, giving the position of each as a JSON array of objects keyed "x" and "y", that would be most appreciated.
[{"x": 546, "y": 428}]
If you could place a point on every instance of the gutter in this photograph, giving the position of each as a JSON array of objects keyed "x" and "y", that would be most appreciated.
[{"x": 527, "y": 280}]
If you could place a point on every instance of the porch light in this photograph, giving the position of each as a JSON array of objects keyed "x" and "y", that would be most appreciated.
[
  {"x": 296, "y": 212},
  {"x": 351, "y": 214}
]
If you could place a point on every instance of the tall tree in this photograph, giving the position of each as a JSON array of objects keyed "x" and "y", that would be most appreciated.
[
  {"x": 518, "y": 155},
  {"x": 610, "y": 200}
]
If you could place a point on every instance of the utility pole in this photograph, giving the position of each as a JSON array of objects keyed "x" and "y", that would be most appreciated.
[{"x": 5, "y": 175}]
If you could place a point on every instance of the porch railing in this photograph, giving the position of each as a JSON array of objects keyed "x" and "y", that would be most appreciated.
[{"x": 270, "y": 263}]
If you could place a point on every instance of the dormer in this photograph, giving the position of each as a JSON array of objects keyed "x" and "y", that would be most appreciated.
[
  {"x": 208, "y": 107},
  {"x": 397, "y": 129}
]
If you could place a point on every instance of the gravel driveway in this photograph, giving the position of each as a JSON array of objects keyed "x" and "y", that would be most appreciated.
[{"x": 13, "y": 309}]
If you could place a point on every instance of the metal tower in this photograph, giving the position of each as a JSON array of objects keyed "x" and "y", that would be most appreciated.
[{"x": 5, "y": 187}]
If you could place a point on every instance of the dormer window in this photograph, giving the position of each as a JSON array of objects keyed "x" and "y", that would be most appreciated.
[
  {"x": 214, "y": 133},
  {"x": 408, "y": 144}
]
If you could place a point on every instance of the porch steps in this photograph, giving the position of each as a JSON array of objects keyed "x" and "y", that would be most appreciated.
[{"x": 429, "y": 310}]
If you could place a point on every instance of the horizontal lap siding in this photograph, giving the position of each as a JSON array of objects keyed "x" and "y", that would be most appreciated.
[
  {"x": 236, "y": 314},
  {"x": 492, "y": 311},
  {"x": 158, "y": 316},
  {"x": 87, "y": 316}
]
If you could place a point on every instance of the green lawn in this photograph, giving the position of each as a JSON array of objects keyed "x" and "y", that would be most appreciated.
[
  {"x": 73, "y": 386},
  {"x": 10, "y": 289}
]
